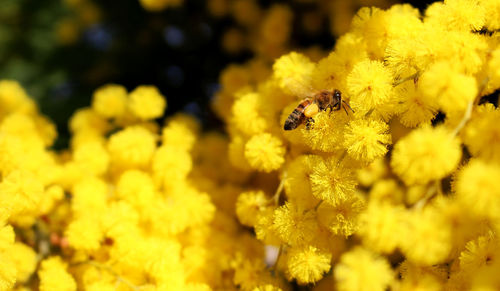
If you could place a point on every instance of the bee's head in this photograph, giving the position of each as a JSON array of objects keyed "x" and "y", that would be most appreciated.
[{"x": 337, "y": 94}]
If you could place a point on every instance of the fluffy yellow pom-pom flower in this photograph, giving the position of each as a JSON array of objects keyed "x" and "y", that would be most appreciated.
[
  {"x": 452, "y": 89},
  {"x": 179, "y": 133},
  {"x": 425, "y": 154},
  {"x": 248, "y": 206},
  {"x": 332, "y": 181},
  {"x": 110, "y": 100},
  {"x": 414, "y": 108},
  {"x": 136, "y": 187},
  {"x": 54, "y": 276},
  {"x": 369, "y": 84},
  {"x": 482, "y": 133},
  {"x": 246, "y": 114},
  {"x": 20, "y": 190},
  {"x": 12, "y": 96},
  {"x": 342, "y": 219},
  {"x": 132, "y": 147},
  {"x": 296, "y": 181},
  {"x": 294, "y": 225},
  {"x": 366, "y": 140},
  {"x": 327, "y": 132},
  {"x": 477, "y": 188},
  {"x": 427, "y": 238},
  {"x": 84, "y": 234},
  {"x": 380, "y": 226},
  {"x": 92, "y": 157},
  {"x": 293, "y": 72},
  {"x": 146, "y": 102},
  {"x": 8, "y": 271},
  {"x": 480, "y": 252},
  {"x": 25, "y": 259},
  {"x": 308, "y": 264},
  {"x": 265, "y": 152},
  {"x": 170, "y": 165},
  {"x": 361, "y": 270}
]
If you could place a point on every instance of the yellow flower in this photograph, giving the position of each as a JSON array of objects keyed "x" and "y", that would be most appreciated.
[
  {"x": 265, "y": 152},
  {"x": 477, "y": 188},
  {"x": 170, "y": 166},
  {"x": 308, "y": 264},
  {"x": 25, "y": 260},
  {"x": 252, "y": 273},
  {"x": 482, "y": 134},
  {"x": 179, "y": 132},
  {"x": 8, "y": 271},
  {"x": 371, "y": 24},
  {"x": 452, "y": 90},
  {"x": 425, "y": 154},
  {"x": 264, "y": 229},
  {"x": 342, "y": 219},
  {"x": 421, "y": 278},
  {"x": 294, "y": 225},
  {"x": 51, "y": 196},
  {"x": 146, "y": 102},
  {"x": 92, "y": 157},
  {"x": 132, "y": 147},
  {"x": 54, "y": 276},
  {"x": 136, "y": 187},
  {"x": 464, "y": 15},
  {"x": 415, "y": 109},
  {"x": 12, "y": 96},
  {"x": 86, "y": 119},
  {"x": 20, "y": 191},
  {"x": 84, "y": 233},
  {"x": 387, "y": 190},
  {"x": 380, "y": 226},
  {"x": 89, "y": 193},
  {"x": 236, "y": 153},
  {"x": 366, "y": 140},
  {"x": 360, "y": 269},
  {"x": 373, "y": 172},
  {"x": 296, "y": 181},
  {"x": 369, "y": 84},
  {"x": 331, "y": 72},
  {"x": 110, "y": 100},
  {"x": 247, "y": 116},
  {"x": 249, "y": 205},
  {"x": 480, "y": 252},
  {"x": 327, "y": 132},
  {"x": 427, "y": 240},
  {"x": 332, "y": 181},
  {"x": 293, "y": 73},
  {"x": 492, "y": 11}
]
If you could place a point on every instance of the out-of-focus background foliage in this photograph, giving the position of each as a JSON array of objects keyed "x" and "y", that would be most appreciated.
[{"x": 62, "y": 50}]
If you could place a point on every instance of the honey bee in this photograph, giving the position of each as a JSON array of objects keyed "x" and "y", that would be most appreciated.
[{"x": 311, "y": 106}]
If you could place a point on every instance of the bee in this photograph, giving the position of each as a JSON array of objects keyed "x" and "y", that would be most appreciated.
[{"x": 312, "y": 105}]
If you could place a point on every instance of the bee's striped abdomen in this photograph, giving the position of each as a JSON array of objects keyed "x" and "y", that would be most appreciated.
[{"x": 297, "y": 116}]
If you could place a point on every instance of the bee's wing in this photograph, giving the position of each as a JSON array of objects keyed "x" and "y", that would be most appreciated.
[{"x": 305, "y": 90}]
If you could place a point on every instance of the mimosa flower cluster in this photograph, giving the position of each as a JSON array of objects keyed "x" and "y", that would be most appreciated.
[
  {"x": 398, "y": 193},
  {"x": 123, "y": 208}
]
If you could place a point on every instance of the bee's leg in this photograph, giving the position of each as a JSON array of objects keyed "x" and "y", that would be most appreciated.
[
  {"x": 344, "y": 104},
  {"x": 331, "y": 109},
  {"x": 309, "y": 123}
]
